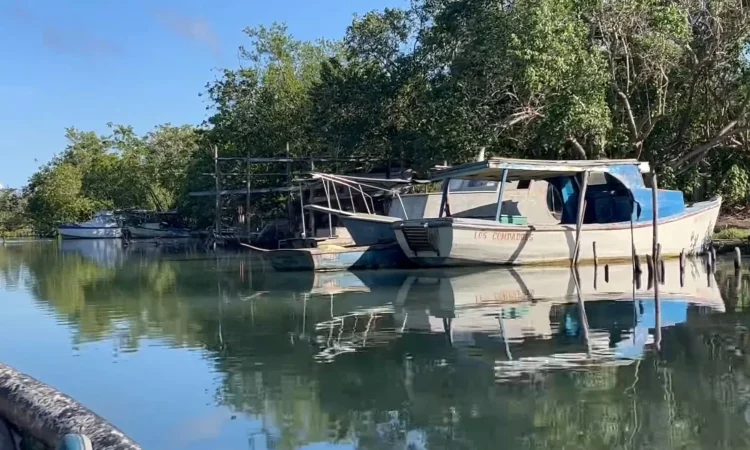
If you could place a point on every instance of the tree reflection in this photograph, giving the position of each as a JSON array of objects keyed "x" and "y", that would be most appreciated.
[{"x": 392, "y": 384}]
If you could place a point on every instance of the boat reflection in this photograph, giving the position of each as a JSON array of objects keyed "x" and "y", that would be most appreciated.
[{"x": 525, "y": 319}]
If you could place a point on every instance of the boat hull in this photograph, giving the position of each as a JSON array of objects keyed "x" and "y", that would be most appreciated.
[
  {"x": 333, "y": 259},
  {"x": 454, "y": 242},
  {"x": 146, "y": 233},
  {"x": 79, "y": 232},
  {"x": 370, "y": 229}
]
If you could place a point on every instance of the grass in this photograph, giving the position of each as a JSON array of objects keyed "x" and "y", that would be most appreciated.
[{"x": 733, "y": 233}]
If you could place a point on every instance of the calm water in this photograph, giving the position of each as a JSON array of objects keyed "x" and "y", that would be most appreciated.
[{"x": 182, "y": 350}]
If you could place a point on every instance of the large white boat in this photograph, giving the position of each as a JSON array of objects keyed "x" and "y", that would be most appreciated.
[
  {"x": 104, "y": 225},
  {"x": 613, "y": 220}
]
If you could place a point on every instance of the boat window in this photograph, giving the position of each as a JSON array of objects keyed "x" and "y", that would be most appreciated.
[
  {"x": 523, "y": 184},
  {"x": 554, "y": 201},
  {"x": 472, "y": 185}
]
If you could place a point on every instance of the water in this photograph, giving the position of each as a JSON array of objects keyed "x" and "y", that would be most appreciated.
[{"x": 182, "y": 350}]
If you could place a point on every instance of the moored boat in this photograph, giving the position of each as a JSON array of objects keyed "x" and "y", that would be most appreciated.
[
  {"x": 613, "y": 220},
  {"x": 333, "y": 258},
  {"x": 104, "y": 225},
  {"x": 156, "y": 230}
]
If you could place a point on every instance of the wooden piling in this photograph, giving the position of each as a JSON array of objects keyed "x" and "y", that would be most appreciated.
[
  {"x": 637, "y": 264},
  {"x": 217, "y": 199},
  {"x": 655, "y": 221},
  {"x": 713, "y": 259},
  {"x": 579, "y": 217},
  {"x": 737, "y": 259},
  {"x": 659, "y": 265}
]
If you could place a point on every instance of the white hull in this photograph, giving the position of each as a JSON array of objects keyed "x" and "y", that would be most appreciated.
[
  {"x": 142, "y": 232},
  {"x": 74, "y": 232},
  {"x": 456, "y": 241}
]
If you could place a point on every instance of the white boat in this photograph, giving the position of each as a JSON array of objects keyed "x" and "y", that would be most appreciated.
[
  {"x": 469, "y": 198},
  {"x": 614, "y": 219},
  {"x": 156, "y": 230},
  {"x": 104, "y": 225}
]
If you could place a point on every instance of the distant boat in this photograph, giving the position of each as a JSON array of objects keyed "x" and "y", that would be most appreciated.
[
  {"x": 613, "y": 218},
  {"x": 156, "y": 230},
  {"x": 104, "y": 225}
]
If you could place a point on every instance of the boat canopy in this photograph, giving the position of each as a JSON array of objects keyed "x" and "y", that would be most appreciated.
[{"x": 530, "y": 169}]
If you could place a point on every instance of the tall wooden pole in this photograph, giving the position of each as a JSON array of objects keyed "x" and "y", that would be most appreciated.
[
  {"x": 655, "y": 226},
  {"x": 217, "y": 186},
  {"x": 247, "y": 199},
  {"x": 581, "y": 212},
  {"x": 655, "y": 223}
]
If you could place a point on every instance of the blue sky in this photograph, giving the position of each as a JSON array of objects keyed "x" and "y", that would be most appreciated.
[{"x": 84, "y": 63}]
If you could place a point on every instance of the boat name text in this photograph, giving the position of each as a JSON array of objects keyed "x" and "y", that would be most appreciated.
[{"x": 503, "y": 236}]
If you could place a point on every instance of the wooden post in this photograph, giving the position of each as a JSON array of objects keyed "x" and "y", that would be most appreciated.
[
  {"x": 713, "y": 259},
  {"x": 655, "y": 222},
  {"x": 289, "y": 207},
  {"x": 500, "y": 194},
  {"x": 247, "y": 199},
  {"x": 444, "y": 198},
  {"x": 637, "y": 264},
  {"x": 682, "y": 261},
  {"x": 217, "y": 186},
  {"x": 737, "y": 259},
  {"x": 581, "y": 211},
  {"x": 302, "y": 211}
]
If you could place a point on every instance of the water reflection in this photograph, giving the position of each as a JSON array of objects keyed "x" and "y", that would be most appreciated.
[{"x": 462, "y": 358}]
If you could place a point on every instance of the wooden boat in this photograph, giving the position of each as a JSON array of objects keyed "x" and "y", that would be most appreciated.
[
  {"x": 614, "y": 219},
  {"x": 104, "y": 225},
  {"x": 469, "y": 198},
  {"x": 333, "y": 257},
  {"x": 156, "y": 230}
]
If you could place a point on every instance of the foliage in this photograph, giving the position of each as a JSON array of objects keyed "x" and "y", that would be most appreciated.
[
  {"x": 667, "y": 82},
  {"x": 117, "y": 171}
]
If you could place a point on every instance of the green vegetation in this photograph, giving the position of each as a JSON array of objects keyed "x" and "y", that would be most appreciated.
[
  {"x": 664, "y": 82},
  {"x": 732, "y": 233}
]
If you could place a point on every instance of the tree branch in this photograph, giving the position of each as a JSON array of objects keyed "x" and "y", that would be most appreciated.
[
  {"x": 631, "y": 118},
  {"x": 699, "y": 151},
  {"x": 578, "y": 147}
]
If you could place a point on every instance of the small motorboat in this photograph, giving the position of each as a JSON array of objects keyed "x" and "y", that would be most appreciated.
[{"x": 104, "y": 225}]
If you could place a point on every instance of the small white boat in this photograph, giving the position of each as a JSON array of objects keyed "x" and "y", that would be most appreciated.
[
  {"x": 104, "y": 225},
  {"x": 156, "y": 230},
  {"x": 614, "y": 219}
]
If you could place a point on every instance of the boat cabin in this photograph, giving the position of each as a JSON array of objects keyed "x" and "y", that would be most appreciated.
[{"x": 614, "y": 191}]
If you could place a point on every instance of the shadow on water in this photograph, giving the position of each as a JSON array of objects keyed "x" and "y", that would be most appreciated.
[{"x": 460, "y": 358}]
